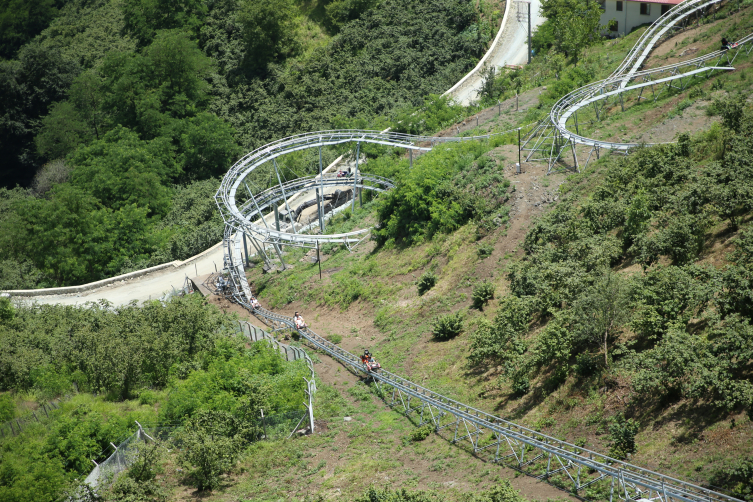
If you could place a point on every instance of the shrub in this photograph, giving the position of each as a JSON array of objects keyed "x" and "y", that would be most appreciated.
[
  {"x": 426, "y": 282},
  {"x": 521, "y": 385},
  {"x": 586, "y": 364},
  {"x": 484, "y": 250},
  {"x": 622, "y": 433},
  {"x": 736, "y": 479},
  {"x": 448, "y": 326},
  {"x": 482, "y": 293},
  {"x": 335, "y": 338},
  {"x": 212, "y": 442},
  {"x": 422, "y": 432}
]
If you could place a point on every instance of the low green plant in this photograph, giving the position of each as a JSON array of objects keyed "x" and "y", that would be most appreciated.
[
  {"x": 622, "y": 433},
  {"x": 335, "y": 338},
  {"x": 521, "y": 385},
  {"x": 543, "y": 423},
  {"x": 448, "y": 326},
  {"x": 422, "y": 432},
  {"x": 484, "y": 250},
  {"x": 736, "y": 478},
  {"x": 426, "y": 282},
  {"x": 482, "y": 293}
]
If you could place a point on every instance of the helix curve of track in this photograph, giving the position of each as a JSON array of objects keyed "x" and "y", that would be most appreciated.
[{"x": 629, "y": 76}]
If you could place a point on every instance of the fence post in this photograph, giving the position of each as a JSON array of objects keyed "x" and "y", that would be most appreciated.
[{"x": 264, "y": 423}]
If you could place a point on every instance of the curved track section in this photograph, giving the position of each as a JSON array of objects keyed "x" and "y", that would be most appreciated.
[
  {"x": 553, "y": 135},
  {"x": 248, "y": 217}
]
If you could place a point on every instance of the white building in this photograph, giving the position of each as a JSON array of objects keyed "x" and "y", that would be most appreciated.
[{"x": 622, "y": 16}]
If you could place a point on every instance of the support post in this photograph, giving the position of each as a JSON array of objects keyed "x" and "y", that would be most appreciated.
[
  {"x": 519, "y": 146},
  {"x": 319, "y": 260},
  {"x": 319, "y": 210},
  {"x": 410, "y": 156},
  {"x": 499, "y": 108},
  {"x": 529, "y": 32},
  {"x": 355, "y": 178},
  {"x": 264, "y": 424},
  {"x": 285, "y": 197},
  {"x": 277, "y": 218},
  {"x": 321, "y": 185},
  {"x": 245, "y": 249}
]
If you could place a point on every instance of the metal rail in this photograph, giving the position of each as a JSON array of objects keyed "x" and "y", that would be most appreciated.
[
  {"x": 505, "y": 442},
  {"x": 552, "y": 136}
]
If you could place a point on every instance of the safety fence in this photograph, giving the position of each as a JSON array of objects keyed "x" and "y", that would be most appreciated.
[{"x": 17, "y": 425}]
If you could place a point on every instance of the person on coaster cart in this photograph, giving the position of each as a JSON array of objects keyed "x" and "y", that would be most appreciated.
[
  {"x": 369, "y": 362},
  {"x": 299, "y": 322},
  {"x": 255, "y": 303}
]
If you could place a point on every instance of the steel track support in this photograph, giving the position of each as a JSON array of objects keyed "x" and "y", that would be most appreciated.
[
  {"x": 292, "y": 223},
  {"x": 269, "y": 263},
  {"x": 575, "y": 157},
  {"x": 321, "y": 188},
  {"x": 355, "y": 179}
]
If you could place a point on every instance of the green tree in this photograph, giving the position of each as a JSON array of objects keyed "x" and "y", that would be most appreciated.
[
  {"x": 602, "y": 310},
  {"x": 574, "y": 25},
  {"x": 168, "y": 81},
  {"x": 20, "y": 21},
  {"x": 270, "y": 31},
  {"x": 212, "y": 441},
  {"x": 121, "y": 170},
  {"x": 144, "y": 18}
]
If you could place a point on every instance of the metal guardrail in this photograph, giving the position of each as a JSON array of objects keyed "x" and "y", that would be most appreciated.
[
  {"x": 552, "y": 136},
  {"x": 537, "y": 454}
]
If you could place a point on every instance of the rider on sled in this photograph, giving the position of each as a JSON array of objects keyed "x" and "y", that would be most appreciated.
[
  {"x": 299, "y": 322},
  {"x": 369, "y": 362}
]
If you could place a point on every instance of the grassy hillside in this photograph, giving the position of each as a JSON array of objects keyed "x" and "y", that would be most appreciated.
[{"x": 611, "y": 308}]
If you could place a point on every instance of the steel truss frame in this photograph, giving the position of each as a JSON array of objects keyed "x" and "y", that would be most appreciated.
[
  {"x": 501, "y": 441},
  {"x": 248, "y": 218},
  {"x": 552, "y": 136}
]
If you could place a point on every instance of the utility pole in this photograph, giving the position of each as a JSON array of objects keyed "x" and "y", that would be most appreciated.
[{"x": 529, "y": 32}]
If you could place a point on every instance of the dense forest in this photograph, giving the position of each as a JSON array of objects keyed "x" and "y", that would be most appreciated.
[{"x": 118, "y": 115}]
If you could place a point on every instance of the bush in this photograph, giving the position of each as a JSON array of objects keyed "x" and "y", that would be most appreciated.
[
  {"x": 335, "y": 338},
  {"x": 586, "y": 364},
  {"x": 484, "y": 250},
  {"x": 482, "y": 293},
  {"x": 622, "y": 433},
  {"x": 211, "y": 443},
  {"x": 737, "y": 479},
  {"x": 426, "y": 282},
  {"x": 422, "y": 432},
  {"x": 448, "y": 326},
  {"x": 521, "y": 386}
]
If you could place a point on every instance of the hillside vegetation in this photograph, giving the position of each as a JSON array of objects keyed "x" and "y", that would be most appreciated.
[
  {"x": 119, "y": 114},
  {"x": 611, "y": 308}
]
